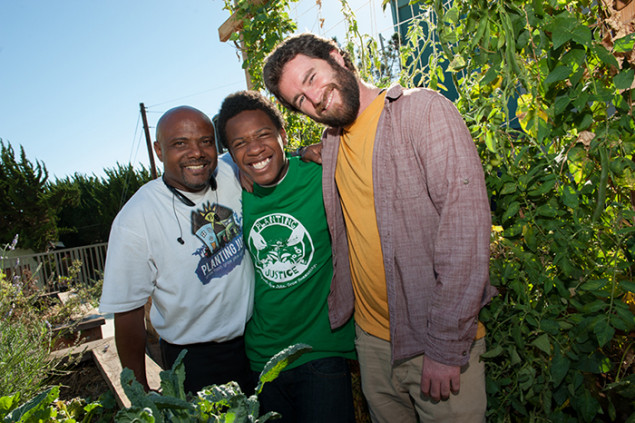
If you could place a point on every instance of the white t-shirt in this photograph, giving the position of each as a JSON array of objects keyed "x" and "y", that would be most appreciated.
[{"x": 202, "y": 290}]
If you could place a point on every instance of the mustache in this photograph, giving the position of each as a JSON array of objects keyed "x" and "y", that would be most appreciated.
[{"x": 327, "y": 92}]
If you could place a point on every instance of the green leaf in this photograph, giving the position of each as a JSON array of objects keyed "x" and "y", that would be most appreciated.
[
  {"x": 586, "y": 121},
  {"x": 562, "y": 29},
  {"x": 624, "y": 79},
  {"x": 559, "y": 367},
  {"x": 561, "y": 103},
  {"x": 490, "y": 142},
  {"x": 457, "y": 63},
  {"x": 514, "y": 357},
  {"x": 542, "y": 343},
  {"x": 490, "y": 76},
  {"x": 530, "y": 237},
  {"x": 593, "y": 307},
  {"x": 588, "y": 406},
  {"x": 173, "y": 380},
  {"x": 570, "y": 197},
  {"x": 550, "y": 326},
  {"x": 271, "y": 415},
  {"x": 278, "y": 362},
  {"x": 221, "y": 395},
  {"x": 603, "y": 332},
  {"x": 8, "y": 403},
  {"x": 509, "y": 188},
  {"x": 629, "y": 286},
  {"x": 513, "y": 230},
  {"x": 544, "y": 188},
  {"x": 494, "y": 352},
  {"x": 574, "y": 57},
  {"x": 37, "y": 403},
  {"x": 604, "y": 55},
  {"x": 546, "y": 210},
  {"x": 593, "y": 285},
  {"x": 163, "y": 401},
  {"x": 560, "y": 73},
  {"x": 134, "y": 415},
  {"x": 624, "y": 44},
  {"x": 511, "y": 210},
  {"x": 581, "y": 35},
  {"x": 625, "y": 387},
  {"x": 137, "y": 395}
]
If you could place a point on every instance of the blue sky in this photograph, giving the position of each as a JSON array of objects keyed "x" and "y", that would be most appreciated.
[{"x": 73, "y": 72}]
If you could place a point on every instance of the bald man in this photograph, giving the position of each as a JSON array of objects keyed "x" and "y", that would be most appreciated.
[{"x": 179, "y": 241}]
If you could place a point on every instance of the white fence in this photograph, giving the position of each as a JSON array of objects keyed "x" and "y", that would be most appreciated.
[{"x": 47, "y": 268}]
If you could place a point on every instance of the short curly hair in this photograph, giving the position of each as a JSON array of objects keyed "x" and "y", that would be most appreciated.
[
  {"x": 307, "y": 44},
  {"x": 239, "y": 102}
]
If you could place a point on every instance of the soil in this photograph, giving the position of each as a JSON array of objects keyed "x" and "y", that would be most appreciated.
[{"x": 82, "y": 380}]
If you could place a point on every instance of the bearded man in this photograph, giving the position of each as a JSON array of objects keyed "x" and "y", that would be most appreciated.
[{"x": 409, "y": 217}]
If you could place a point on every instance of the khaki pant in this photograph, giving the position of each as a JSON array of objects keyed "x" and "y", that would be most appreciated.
[{"x": 394, "y": 393}]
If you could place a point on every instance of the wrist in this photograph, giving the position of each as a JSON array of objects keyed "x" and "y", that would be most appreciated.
[{"x": 298, "y": 152}]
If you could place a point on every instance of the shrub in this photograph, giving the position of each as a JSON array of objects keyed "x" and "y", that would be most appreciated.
[
  {"x": 25, "y": 339},
  {"x": 216, "y": 403}
]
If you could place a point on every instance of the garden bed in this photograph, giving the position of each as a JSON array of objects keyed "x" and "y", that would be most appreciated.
[{"x": 83, "y": 380}]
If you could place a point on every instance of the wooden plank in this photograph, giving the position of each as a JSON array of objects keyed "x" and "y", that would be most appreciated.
[
  {"x": 233, "y": 24},
  {"x": 66, "y": 296},
  {"x": 88, "y": 329},
  {"x": 627, "y": 14},
  {"x": 85, "y": 350},
  {"x": 107, "y": 361},
  {"x": 83, "y": 309}
]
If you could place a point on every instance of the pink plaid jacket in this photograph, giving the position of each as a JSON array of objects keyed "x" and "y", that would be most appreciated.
[{"x": 434, "y": 224}]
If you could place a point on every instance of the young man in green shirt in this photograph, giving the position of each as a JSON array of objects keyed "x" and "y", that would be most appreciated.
[{"x": 287, "y": 236}]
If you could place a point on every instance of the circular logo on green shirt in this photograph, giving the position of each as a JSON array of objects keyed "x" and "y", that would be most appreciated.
[{"x": 283, "y": 249}]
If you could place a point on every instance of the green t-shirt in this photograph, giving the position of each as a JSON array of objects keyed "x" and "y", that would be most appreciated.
[{"x": 285, "y": 231}]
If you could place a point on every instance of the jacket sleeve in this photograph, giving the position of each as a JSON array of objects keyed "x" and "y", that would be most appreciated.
[{"x": 456, "y": 186}]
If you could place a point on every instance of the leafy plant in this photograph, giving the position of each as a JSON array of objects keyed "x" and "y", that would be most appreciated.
[
  {"x": 27, "y": 332},
  {"x": 45, "y": 407},
  {"x": 25, "y": 339},
  {"x": 546, "y": 90},
  {"x": 24, "y": 364},
  {"x": 224, "y": 403}
]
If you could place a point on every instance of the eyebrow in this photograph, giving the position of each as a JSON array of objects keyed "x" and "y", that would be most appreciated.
[
  {"x": 178, "y": 139},
  {"x": 255, "y": 133},
  {"x": 306, "y": 76}
]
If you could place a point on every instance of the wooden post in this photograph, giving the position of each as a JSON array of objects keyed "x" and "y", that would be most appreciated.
[
  {"x": 232, "y": 25},
  {"x": 153, "y": 169}
]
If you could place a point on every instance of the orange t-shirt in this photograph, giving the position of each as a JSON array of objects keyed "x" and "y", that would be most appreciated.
[{"x": 354, "y": 178}]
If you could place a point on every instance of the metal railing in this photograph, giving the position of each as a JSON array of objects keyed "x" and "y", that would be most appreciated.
[{"x": 48, "y": 270}]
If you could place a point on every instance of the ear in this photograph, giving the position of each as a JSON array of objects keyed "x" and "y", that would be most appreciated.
[
  {"x": 157, "y": 149},
  {"x": 337, "y": 56},
  {"x": 283, "y": 134}
]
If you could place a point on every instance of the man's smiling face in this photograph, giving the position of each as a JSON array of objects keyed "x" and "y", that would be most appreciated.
[
  {"x": 256, "y": 145},
  {"x": 185, "y": 145},
  {"x": 325, "y": 91}
]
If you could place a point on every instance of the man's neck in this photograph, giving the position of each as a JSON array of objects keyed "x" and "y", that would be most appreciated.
[{"x": 367, "y": 93}]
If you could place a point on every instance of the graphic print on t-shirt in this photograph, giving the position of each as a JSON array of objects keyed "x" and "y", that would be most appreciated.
[
  {"x": 282, "y": 249},
  {"x": 221, "y": 231}
]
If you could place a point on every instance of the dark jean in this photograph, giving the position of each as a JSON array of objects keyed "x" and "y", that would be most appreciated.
[
  {"x": 211, "y": 363},
  {"x": 316, "y": 392}
]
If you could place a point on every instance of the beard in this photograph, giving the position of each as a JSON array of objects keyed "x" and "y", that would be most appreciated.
[{"x": 345, "y": 113}]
